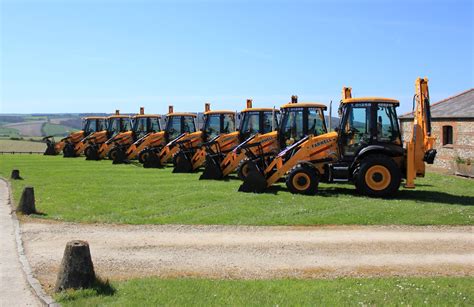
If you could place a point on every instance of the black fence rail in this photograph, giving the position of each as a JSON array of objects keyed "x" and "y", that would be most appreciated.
[{"x": 22, "y": 152}]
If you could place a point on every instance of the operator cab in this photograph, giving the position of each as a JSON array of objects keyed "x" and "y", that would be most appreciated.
[
  {"x": 218, "y": 122},
  {"x": 144, "y": 124},
  {"x": 368, "y": 121},
  {"x": 117, "y": 124},
  {"x": 94, "y": 124},
  {"x": 179, "y": 123},
  {"x": 299, "y": 120},
  {"x": 258, "y": 120}
]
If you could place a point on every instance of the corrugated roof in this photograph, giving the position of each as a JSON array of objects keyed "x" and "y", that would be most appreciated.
[{"x": 457, "y": 106}]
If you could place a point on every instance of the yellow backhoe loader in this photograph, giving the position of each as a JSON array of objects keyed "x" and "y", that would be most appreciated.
[
  {"x": 141, "y": 125},
  {"x": 154, "y": 148},
  {"x": 366, "y": 149},
  {"x": 219, "y": 128},
  {"x": 297, "y": 121},
  {"x": 70, "y": 145},
  {"x": 116, "y": 124}
]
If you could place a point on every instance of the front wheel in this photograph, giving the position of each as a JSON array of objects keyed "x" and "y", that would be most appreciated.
[
  {"x": 378, "y": 176},
  {"x": 303, "y": 180}
]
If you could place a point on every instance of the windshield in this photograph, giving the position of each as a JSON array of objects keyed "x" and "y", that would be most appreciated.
[
  {"x": 177, "y": 125},
  {"x": 212, "y": 125},
  {"x": 119, "y": 124},
  {"x": 93, "y": 125},
  {"x": 258, "y": 122},
  {"x": 299, "y": 122},
  {"x": 143, "y": 125}
]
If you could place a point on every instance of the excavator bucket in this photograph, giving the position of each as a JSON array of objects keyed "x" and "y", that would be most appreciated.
[
  {"x": 255, "y": 181},
  {"x": 50, "y": 150},
  {"x": 212, "y": 169},
  {"x": 182, "y": 163}
]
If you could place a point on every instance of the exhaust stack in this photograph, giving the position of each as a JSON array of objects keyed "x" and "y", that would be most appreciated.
[
  {"x": 249, "y": 103},
  {"x": 207, "y": 107},
  {"x": 170, "y": 109},
  {"x": 142, "y": 110},
  {"x": 294, "y": 99},
  {"x": 117, "y": 112}
]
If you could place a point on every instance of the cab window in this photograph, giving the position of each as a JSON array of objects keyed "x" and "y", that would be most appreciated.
[
  {"x": 292, "y": 126},
  {"x": 269, "y": 122},
  {"x": 387, "y": 124},
  {"x": 188, "y": 124},
  {"x": 154, "y": 124},
  {"x": 250, "y": 123},
  {"x": 173, "y": 127},
  {"x": 316, "y": 123},
  {"x": 356, "y": 129},
  {"x": 228, "y": 123},
  {"x": 212, "y": 126}
]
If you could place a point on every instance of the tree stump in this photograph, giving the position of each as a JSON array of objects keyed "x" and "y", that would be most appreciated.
[
  {"x": 27, "y": 201},
  {"x": 77, "y": 270},
  {"x": 15, "y": 174}
]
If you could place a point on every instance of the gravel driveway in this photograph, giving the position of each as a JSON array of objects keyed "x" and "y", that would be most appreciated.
[{"x": 128, "y": 251}]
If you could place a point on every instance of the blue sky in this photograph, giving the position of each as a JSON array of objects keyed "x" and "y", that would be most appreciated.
[{"x": 96, "y": 56}]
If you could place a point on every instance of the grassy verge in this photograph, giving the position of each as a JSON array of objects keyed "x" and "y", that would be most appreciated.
[
  {"x": 21, "y": 146},
  {"x": 339, "y": 292},
  {"x": 91, "y": 191}
]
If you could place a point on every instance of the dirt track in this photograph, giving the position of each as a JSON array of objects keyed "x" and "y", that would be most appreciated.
[{"x": 123, "y": 251}]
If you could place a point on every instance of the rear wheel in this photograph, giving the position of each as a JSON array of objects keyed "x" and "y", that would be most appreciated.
[
  {"x": 243, "y": 169},
  {"x": 113, "y": 153},
  {"x": 378, "y": 176},
  {"x": 144, "y": 155},
  {"x": 303, "y": 180}
]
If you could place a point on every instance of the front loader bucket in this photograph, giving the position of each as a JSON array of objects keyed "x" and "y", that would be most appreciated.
[
  {"x": 50, "y": 144},
  {"x": 119, "y": 157},
  {"x": 255, "y": 181},
  {"x": 150, "y": 159},
  {"x": 92, "y": 152},
  {"x": 212, "y": 169},
  {"x": 69, "y": 151},
  {"x": 182, "y": 164},
  {"x": 50, "y": 150}
]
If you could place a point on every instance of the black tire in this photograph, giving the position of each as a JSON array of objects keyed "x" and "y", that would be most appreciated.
[
  {"x": 378, "y": 176},
  {"x": 68, "y": 151},
  {"x": 91, "y": 153},
  {"x": 303, "y": 180},
  {"x": 144, "y": 155},
  {"x": 242, "y": 170}
]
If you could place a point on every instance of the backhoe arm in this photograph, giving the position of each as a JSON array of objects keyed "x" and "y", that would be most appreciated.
[{"x": 420, "y": 147}]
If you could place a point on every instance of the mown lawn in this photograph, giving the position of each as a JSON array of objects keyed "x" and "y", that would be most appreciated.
[
  {"x": 91, "y": 191},
  {"x": 338, "y": 292}
]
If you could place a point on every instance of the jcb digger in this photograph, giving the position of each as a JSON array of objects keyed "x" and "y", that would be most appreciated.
[
  {"x": 71, "y": 144},
  {"x": 366, "y": 149},
  {"x": 219, "y": 128},
  {"x": 155, "y": 147},
  {"x": 297, "y": 121},
  {"x": 141, "y": 124},
  {"x": 116, "y": 124}
]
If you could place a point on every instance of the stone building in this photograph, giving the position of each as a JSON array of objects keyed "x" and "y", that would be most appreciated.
[{"x": 453, "y": 126}]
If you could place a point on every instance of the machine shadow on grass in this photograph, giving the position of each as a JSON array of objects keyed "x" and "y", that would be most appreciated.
[{"x": 402, "y": 194}]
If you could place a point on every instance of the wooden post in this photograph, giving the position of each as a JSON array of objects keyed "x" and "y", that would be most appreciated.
[
  {"x": 77, "y": 270},
  {"x": 15, "y": 174},
  {"x": 27, "y": 201}
]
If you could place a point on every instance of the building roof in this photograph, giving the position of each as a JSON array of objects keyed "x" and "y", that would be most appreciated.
[{"x": 458, "y": 106}]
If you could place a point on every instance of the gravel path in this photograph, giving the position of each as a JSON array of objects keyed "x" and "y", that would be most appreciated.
[
  {"x": 127, "y": 251},
  {"x": 14, "y": 289}
]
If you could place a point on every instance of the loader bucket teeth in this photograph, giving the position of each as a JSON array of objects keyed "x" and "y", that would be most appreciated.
[
  {"x": 182, "y": 164},
  {"x": 255, "y": 181},
  {"x": 212, "y": 169}
]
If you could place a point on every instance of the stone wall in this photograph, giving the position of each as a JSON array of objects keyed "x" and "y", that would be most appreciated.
[{"x": 463, "y": 140}]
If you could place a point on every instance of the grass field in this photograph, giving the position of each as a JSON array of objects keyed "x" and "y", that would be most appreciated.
[
  {"x": 339, "y": 292},
  {"x": 56, "y": 129},
  {"x": 9, "y": 132},
  {"x": 21, "y": 146},
  {"x": 97, "y": 191}
]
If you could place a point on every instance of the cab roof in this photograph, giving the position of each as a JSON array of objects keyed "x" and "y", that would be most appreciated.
[
  {"x": 371, "y": 100},
  {"x": 181, "y": 114},
  {"x": 146, "y": 115},
  {"x": 304, "y": 105},
  {"x": 219, "y": 112},
  {"x": 119, "y": 116},
  {"x": 95, "y": 117},
  {"x": 259, "y": 109}
]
